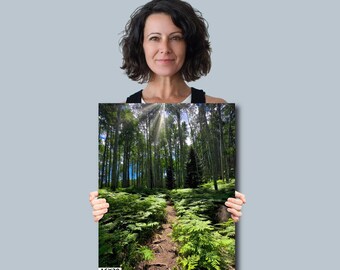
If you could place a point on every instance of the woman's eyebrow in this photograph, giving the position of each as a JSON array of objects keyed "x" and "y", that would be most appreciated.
[
  {"x": 177, "y": 32},
  {"x": 154, "y": 33},
  {"x": 157, "y": 33}
]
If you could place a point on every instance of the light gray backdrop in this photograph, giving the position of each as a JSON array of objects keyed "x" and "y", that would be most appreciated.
[{"x": 277, "y": 60}]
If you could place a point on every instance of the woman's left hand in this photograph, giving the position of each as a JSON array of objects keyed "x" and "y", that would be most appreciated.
[{"x": 235, "y": 205}]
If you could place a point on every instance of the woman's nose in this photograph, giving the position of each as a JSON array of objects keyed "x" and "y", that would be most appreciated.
[{"x": 165, "y": 47}]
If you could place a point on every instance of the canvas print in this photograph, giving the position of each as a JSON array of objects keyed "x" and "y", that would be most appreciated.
[{"x": 166, "y": 171}]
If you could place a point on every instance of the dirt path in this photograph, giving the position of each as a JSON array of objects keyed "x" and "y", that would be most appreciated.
[{"x": 164, "y": 249}]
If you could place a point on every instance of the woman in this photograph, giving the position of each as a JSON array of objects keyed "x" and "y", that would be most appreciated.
[{"x": 166, "y": 44}]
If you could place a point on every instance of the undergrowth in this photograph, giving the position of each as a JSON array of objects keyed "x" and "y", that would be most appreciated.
[
  {"x": 123, "y": 231},
  {"x": 203, "y": 244},
  {"x": 136, "y": 214}
]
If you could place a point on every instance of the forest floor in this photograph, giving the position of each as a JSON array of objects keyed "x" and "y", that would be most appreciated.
[{"x": 164, "y": 248}]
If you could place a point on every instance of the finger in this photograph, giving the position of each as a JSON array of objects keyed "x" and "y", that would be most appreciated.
[
  {"x": 235, "y": 218},
  {"x": 97, "y": 218},
  {"x": 100, "y": 206},
  {"x": 99, "y": 212},
  {"x": 240, "y": 196},
  {"x": 98, "y": 201},
  {"x": 233, "y": 205},
  {"x": 93, "y": 195},
  {"x": 234, "y": 212},
  {"x": 235, "y": 201}
]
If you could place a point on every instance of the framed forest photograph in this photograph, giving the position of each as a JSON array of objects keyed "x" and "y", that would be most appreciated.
[{"x": 166, "y": 170}]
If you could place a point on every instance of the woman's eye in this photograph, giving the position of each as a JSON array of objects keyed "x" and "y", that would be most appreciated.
[
  {"x": 177, "y": 38},
  {"x": 154, "y": 38}
]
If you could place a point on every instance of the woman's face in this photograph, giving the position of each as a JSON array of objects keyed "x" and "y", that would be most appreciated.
[{"x": 164, "y": 46}]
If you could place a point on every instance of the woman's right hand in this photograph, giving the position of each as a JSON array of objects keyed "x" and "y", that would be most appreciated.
[{"x": 99, "y": 206}]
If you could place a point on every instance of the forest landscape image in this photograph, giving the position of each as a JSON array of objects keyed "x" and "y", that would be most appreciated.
[{"x": 166, "y": 171}]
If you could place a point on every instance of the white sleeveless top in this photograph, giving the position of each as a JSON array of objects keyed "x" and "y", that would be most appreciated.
[{"x": 186, "y": 100}]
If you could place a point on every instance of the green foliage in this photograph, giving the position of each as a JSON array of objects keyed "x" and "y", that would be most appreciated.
[
  {"x": 227, "y": 240},
  {"x": 135, "y": 214},
  {"x": 191, "y": 262},
  {"x": 146, "y": 253},
  {"x": 222, "y": 185},
  {"x": 144, "y": 191},
  {"x": 202, "y": 201},
  {"x": 227, "y": 228},
  {"x": 131, "y": 221},
  {"x": 202, "y": 244}
]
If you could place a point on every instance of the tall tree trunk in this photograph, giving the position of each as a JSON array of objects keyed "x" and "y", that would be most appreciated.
[
  {"x": 181, "y": 170},
  {"x": 102, "y": 174},
  {"x": 221, "y": 139},
  {"x": 114, "y": 179},
  {"x": 109, "y": 170},
  {"x": 151, "y": 180},
  {"x": 193, "y": 140},
  {"x": 125, "y": 167},
  {"x": 210, "y": 145}
]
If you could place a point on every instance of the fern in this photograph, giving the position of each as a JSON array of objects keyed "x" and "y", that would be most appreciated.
[
  {"x": 131, "y": 221},
  {"x": 147, "y": 254},
  {"x": 202, "y": 245}
]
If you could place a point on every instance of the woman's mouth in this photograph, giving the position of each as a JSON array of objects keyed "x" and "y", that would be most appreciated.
[{"x": 165, "y": 60}]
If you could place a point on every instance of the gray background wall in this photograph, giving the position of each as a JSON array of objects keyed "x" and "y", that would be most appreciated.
[{"x": 277, "y": 60}]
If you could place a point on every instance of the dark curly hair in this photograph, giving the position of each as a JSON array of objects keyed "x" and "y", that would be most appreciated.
[{"x": 197, "y": 60}]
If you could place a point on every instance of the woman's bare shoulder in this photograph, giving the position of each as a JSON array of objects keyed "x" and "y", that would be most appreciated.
[{"x": 209, "y": 99}]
